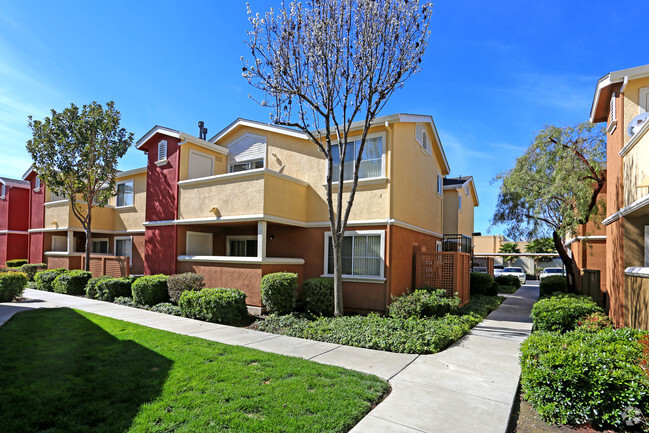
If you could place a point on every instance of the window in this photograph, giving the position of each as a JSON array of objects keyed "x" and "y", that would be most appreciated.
[
  {"x": 125, "y": 193},
  {"x": 59, "y": 243},
  {"x": 643, "y": 100},
  {"x": 200, "y": 165},
  {"x": 242, "y": 246},
  {"x": 371, "y": 163},
  {"x": 99, "y": 246},
  {"x": 3, "y": 191},
  {"x": 37, "y": 184},
  {"x": 248, "y": 165},
  {"x": 440, "y": 183},
  {"x": 162, "y": 150},
  {"x": 459, "y": 202},
  {"x": 199, "y": 244},
  {"x": 124, "y": 248},
  {"x": 438, "y": 246},
  {"x": 646, "y": 246},
  {"x": 56, "y": 197},
  {"x": 362, "y": 254}
]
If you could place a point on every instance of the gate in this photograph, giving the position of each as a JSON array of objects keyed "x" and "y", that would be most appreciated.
[
  {"x": 590, "y": 285},
  {"x": 448, "y": 270}
]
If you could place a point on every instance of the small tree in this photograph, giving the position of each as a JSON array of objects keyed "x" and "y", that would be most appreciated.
[
  {"x": 542, "y": 245},
  {"x": 554, "y": 187},
  {"x": 510, "y": 248},
  {"x": 75, "y": 154},
  {"x": 322, "y": 65}
]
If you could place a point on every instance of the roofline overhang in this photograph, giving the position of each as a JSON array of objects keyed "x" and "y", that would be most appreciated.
[
  {"x": 183, "y": 136},
  {"x": 471, "y": 183},
  {"x": 603, "y": 90}
]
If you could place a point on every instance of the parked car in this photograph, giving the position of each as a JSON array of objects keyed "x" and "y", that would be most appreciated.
[
  {"x": 498, "y": 269},
  {"x": 480, "y": 269},
  {"x": 516, "y": 272},
  {"x": 551, "y": 272}
]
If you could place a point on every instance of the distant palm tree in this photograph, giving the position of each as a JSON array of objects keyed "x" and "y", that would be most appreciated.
[
  {"x": 541, "y": 245},
  {"x": 509, "y": 247}
]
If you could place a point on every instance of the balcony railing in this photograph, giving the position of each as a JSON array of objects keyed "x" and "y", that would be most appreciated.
[{"x": 457, "y": 242}]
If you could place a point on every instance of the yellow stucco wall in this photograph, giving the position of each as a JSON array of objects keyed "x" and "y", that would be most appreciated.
[
  {"x": 631, "y": 98},
  {"x": 450, "y": 211},
  {"x": 131, "y": 218},
  {"x": 220, "y": 160},
  {"x": 466, "y": 214},
  {"x": 59, "y": 215},
  {"x": 487, "y": 244}
]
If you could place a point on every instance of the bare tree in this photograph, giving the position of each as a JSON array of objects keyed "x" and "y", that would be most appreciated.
[{"x": 323, "y": 64}]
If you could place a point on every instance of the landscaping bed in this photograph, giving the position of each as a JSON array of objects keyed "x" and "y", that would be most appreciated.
[{"x": 71, "y": 371}]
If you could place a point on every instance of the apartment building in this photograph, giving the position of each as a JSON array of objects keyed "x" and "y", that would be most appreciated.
[
  {"x": 251, "y": 200},
  {"x": 14, "y": 215},
  {"x": 622, "y": 101}
]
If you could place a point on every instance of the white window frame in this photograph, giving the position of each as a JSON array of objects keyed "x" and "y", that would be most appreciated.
[
  {"x": 228, "y": 239},
  {"x": 459, "y": 202},
  {"x": 327, "y": 237},
  {"x": 163, "y": 151},
  {"x": 93, "y": 240},
  {"x": 249, "y": 163},
  {"x": 438, "y": 246},
  {"x": 117, "y": 193},
  {"x": 642, "y": 99},
  {"x": 208, "y": 236},
  {"x": 263, "y": 158},
  {"x": 646, "y": 246},
  {"x": 382, "y": 174},
  {"x": 440, "y": 184},
  {"x": 3, "y": 191},
  {"x": 63, "y": 239},
  {"x": 200, "y": 154},
  {"x": 37, "y": 184},
  {"x": 55, "y": 197},
  {"x": 124, "y": 238}
]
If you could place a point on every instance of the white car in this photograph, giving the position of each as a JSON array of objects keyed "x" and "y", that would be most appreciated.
[
  {"x": 516, "y": 272},
  {"x": 551, "y": 272},
  {"x": 498, "y": 270}
]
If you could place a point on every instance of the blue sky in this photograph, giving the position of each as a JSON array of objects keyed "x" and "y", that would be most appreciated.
[{"x": 495, "y": 72}]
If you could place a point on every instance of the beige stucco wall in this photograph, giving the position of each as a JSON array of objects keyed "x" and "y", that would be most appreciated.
[
  {"x": 132, "y": 218},
  {"x": 487, "y": 244},
  {"x": 220, "y": 160},
  {"x": 636, "y": 170},
  {"x": 631, "y": 104},
  {"x": 451, "y": 211}
]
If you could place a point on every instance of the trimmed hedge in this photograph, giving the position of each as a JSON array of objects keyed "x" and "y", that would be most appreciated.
[
  {"x": 562, "y": 313},
  {"x": 507, "y": 289},
  {"x": 177, "y": 284},
  {"x": 107, "y": 289},
  {"x": 71, "y": 282},
  {"x": 481, "y": 283},
  {"x": 508, "y": 280},
  {"x": 91, "y": 286},
  {"x": 150, "y": 290},
  {"x": 16, "y": 263},
  {"x": 30, "y": 269},
  {"x": 167, "y": 308},
  {"x": 582, "y": 376},
  {"x": 423, "y": 303},
  {"x": 44, "y": 279},
  {"x": 12, "y": 285},
  {"x": 279, "y": 292},
  {"x": 391, "y": 334},
  {"x": 227, "y": 306},
  {"x": 550, "y": 285},
  {"x": 318, "y": 296}
]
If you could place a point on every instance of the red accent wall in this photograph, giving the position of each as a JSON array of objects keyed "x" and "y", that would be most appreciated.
[
  {"x": 18, "y": 209},
  {"x": 160, "y": 250},
  {"x": 162, "y": 181},
  {"x": 36, "y": 221},
  {"x": 4, "y": 214},
  {"x": 16, "y": 246}
]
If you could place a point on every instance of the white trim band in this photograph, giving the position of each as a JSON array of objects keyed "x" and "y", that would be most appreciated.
[
  {"x": 242, "y": 260},
  {"x": 634, "y": 271},
  {"x": 13, "y": 232},
  {"x": 584, "y": 238},
  {"x": 238, "y": 175},
  {"x": 636, "y": 205}
]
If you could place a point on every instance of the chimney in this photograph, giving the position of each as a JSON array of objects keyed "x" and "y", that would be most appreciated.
[{"x": 202, "y": 131}]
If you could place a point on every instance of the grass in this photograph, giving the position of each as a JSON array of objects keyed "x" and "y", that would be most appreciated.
[{"x": 70, "y": 371}]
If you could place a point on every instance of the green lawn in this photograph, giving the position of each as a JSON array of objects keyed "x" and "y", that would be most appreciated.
[{"x": 70, "y": 371}]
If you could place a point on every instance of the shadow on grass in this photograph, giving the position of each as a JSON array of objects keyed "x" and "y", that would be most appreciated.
[{"x": 63, "y": 373}]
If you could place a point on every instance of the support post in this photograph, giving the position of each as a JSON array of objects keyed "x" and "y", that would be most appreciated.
[{"x": 262, "y": 229}]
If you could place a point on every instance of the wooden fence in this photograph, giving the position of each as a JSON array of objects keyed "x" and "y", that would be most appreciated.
[
  {"x": 107, "y": 265},
  {"x": 590, "y": 285},
  {"x": 448, "y": 270}
]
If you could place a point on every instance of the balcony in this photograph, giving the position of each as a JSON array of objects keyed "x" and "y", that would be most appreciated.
[
  {"x": 250, "y": 194},
  {"x": 58, "y": 215}
]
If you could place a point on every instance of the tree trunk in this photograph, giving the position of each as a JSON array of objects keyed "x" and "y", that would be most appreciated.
[
  {"x": 88, "y": 243},
  {"x": 572, "y": 273},
  {"x": 338, "y": 274}
]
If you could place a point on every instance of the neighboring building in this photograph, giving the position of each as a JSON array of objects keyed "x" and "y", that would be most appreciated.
[
  {"x": 460, "y": 201},
  {"x": 489, "y": 246},
  {"x": 622, "y": 101},
  {"x": 252, "y": 201},
  {"x": 14, "y": 217}
]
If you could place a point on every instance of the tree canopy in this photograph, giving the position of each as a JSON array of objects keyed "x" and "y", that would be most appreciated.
[
  {"x": 543, "y": 245},
  {"x": 509, "y": 247}
]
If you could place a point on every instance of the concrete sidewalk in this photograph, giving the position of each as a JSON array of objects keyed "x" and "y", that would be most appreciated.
[{"x": 468, "y": 387}]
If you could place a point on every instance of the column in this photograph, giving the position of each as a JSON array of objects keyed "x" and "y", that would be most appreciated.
[{"x": 261, "y": 240}]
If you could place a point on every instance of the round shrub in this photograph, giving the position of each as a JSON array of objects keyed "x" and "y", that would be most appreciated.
[
  {"x": 12, "y": 285},
  {"x": 594, "y": 322},
  {"x": 582, "y": 376},
  {"x": 30, "y": 269},
  {"x": 91, "y": 286},
  {"x": 422, "y": 303},
  {"x": 150, "y": 290},
  {"x": 16, "y": 263},
  {"x": 318, "y": 296},
  {"x": 227, "y": 306},
  {"x": 279, "y": 292},
  {"x": 177, "y": 284},
  {"x": 108, "y": 289},
  {"x": 71, "y": 282},
  {"x": 44, "y": 279},
  {"x": 480, "y": 283},
  {"x": 507, "y": 289},
  {"x": 167, "y": 308},
  {"x": 508, "y": 280},
  {"x": 561, "y": 313},
  {"x": 550, "y": 285},
  {"x": 494, "y": 289}
]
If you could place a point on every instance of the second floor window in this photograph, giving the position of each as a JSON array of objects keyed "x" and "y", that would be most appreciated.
[
  {"x": 371, "y": 163},
  {"x": 247, "y": 165},
  {"x": 125, "y": 193}
]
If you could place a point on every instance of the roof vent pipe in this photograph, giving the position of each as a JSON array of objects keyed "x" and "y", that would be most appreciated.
[{"x": 202, "y": 131}]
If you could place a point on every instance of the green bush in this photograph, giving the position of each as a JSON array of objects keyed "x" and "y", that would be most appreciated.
[
  {"x": 44, "y": 279},
  {"x": 16, "y": 263},
  {"x": 279, "y": 292},
  {"x": 12, "y": 285},
  {"x": 480, "y": 283},
  {"x": 550, "y": 285},
  {"x": 423, "y": 303},
  {"x": 508, "y": 280},
  {"x": 481, "y": 305},
  {"x": 594, "y": 322},
  {"x": 167, "y": 308},
  {"x": 177, "y": 284},
  {"x": 107, "y": 289},
  {"x": 561, "y": 313},
  {"x": 91, "y": 286},
  {"x": 318, "y": 296},
  {"x": 71, "y": 282},
  {"x": 391, "y": 334},
  {"x": 581, "y": 376},
  {"x": 507, "y": 289},
  {"x": 31, "y": 269},
  {"x": 127, "y": 301},
  {"x": 150, "y": 290},
  {"x": 227, "y": 306}
]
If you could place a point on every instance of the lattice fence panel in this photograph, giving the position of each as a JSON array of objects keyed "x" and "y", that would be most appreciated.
[{"x": 444, "y": 270}]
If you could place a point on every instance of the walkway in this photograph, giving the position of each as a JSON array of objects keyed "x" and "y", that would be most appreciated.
[{"x": 468, "y": 387}]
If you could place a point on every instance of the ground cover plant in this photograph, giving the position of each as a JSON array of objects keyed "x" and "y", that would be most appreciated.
[{"x": 68, "y": 374}]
